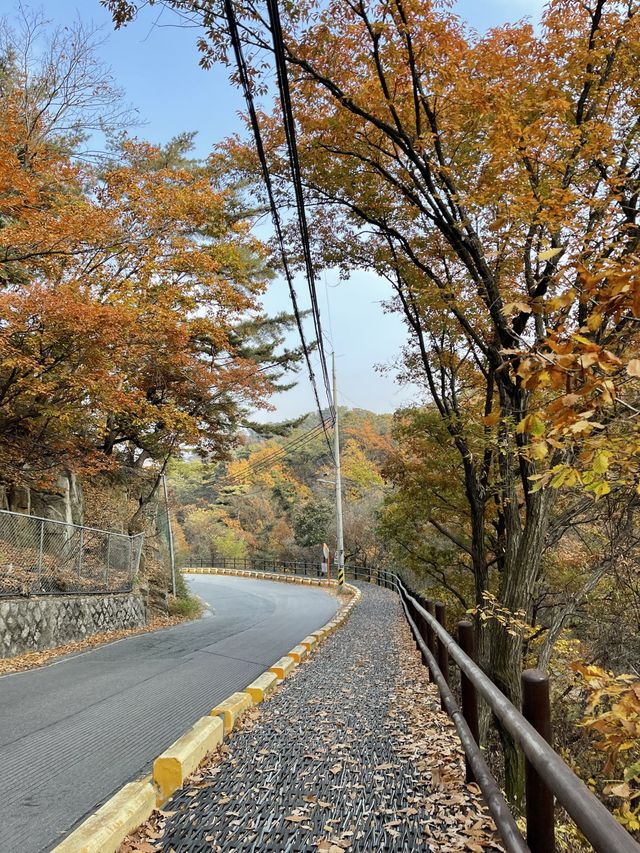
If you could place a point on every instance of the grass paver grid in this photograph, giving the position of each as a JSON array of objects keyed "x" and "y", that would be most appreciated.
[{"x": 324, "y": 764}]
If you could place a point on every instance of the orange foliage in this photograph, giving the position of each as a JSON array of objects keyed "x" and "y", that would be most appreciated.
[
  {"x": 613, "y": 716},
  {"x": 118, "y": 300}
]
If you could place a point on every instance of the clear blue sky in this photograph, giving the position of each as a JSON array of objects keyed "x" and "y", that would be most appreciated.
[{"x": 156, "y": 63}]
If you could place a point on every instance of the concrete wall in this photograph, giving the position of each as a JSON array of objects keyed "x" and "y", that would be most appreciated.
[{"x": 44, "y": 622}]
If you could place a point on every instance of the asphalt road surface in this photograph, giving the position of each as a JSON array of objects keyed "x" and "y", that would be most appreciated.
[{"x": 72, "y": 733}]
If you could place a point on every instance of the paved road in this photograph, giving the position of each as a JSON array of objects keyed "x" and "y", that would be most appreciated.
[{"x": 73, "y": 732}]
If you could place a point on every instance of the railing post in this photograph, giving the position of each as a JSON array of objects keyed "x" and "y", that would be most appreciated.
[
  {"x": 443, "y": 655},
  {"x": 467, "y": 641},
  {"x": 536, "y": 709},
  {"x": 107, "y": 561},
  {"x": 424, "y": 629},
  {"x": 431, "y": 634}
]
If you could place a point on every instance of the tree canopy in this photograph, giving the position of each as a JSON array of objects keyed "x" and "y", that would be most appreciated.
[{"x": 130, "y": 315}]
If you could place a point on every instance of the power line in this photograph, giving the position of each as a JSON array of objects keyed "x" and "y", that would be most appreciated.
[
  {"x": 253, "y": 116},
  {"x": 296, "y": 177},
  {"x": 277, "y": 455}
]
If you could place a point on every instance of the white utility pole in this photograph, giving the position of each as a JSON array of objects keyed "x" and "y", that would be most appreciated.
[{"x": 336, "y": 450}]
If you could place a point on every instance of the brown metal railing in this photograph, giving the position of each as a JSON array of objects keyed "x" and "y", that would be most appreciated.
[{"x": 546, "y": 774}]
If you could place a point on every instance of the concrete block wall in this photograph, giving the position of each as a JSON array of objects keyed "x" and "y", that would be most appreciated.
[{"x": 44, "y": 622}]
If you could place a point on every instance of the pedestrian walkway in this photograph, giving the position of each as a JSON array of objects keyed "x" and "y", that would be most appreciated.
[{"x": 351, "y": 754}]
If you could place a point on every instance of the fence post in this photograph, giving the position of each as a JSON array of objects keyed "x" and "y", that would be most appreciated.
[
  {"x": 80, "y": 548},
  {"x": 106, "y": 565},
  {"x": 466, "y": 638},
  {"x": 536, "y": 709},
  {"x": 424, "y": 631},
  {"x": 41, "y": 549},
  {"x": 422, "y": 627},
  {"x": 443, "y": 655}
]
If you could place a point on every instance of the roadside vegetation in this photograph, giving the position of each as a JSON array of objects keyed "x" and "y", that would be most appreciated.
[
  {"x": 492, "y": 179},
  {"x": 184, "y": 604}
]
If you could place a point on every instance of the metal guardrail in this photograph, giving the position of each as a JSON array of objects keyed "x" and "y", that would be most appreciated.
[
  {"x": 547, "y": 775},
  {"x": 258, "y": 564},
  {"x": 41, "y": 556}
]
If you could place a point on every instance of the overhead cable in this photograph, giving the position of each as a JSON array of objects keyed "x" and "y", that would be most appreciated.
[
  {"x": 296, "y": 177},
  {"x": 277, "y": 455},
  {"x": 255, "y": 125}
]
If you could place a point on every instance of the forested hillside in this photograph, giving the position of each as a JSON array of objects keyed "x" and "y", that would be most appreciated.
[
  {"x": 404, "y": 508},
  {"x": 276, "y": 498}
]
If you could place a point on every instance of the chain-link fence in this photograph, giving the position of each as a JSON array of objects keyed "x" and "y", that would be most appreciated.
[{"x": 39, "y": 556}]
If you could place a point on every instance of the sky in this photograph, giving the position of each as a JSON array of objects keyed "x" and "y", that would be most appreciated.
[{"x": 155, "y": 62}]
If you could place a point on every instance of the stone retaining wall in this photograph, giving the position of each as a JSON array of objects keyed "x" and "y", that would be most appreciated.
[{"x": 44, "y": 622}]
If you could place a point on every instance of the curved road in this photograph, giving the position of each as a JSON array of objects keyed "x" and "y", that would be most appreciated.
[{"x": 75, "y": 731}]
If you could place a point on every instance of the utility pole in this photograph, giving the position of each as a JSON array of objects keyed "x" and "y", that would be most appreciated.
[
  {"x": 172, "y": 556},
  {"x": 336, "y": 451}
]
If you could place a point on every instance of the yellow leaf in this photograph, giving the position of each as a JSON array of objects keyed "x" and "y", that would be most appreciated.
[
  {"x": 601, "y": 462},
  {"x": 520, "y": 305},
  {"x": 548, "y": 253},
  {"x": 562, "y": 301},
  {"x": 539, "y": 450},
  {"x": 594, "y": 321}
]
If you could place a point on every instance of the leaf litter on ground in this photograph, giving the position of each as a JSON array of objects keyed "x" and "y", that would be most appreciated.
[{"x": 417, "y": 743}]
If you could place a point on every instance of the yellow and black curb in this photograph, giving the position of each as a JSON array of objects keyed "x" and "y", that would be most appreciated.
[{"x": 105, "y": 830}]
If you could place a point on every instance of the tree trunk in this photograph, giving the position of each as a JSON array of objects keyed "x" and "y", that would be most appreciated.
[{"x": 518, "y": 585}]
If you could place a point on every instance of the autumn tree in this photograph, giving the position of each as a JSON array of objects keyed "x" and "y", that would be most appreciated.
[
  {"x": 67, "y": 96},
  {"x": 130, "y": 317},
  {"x": 311, "y": 523}
]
